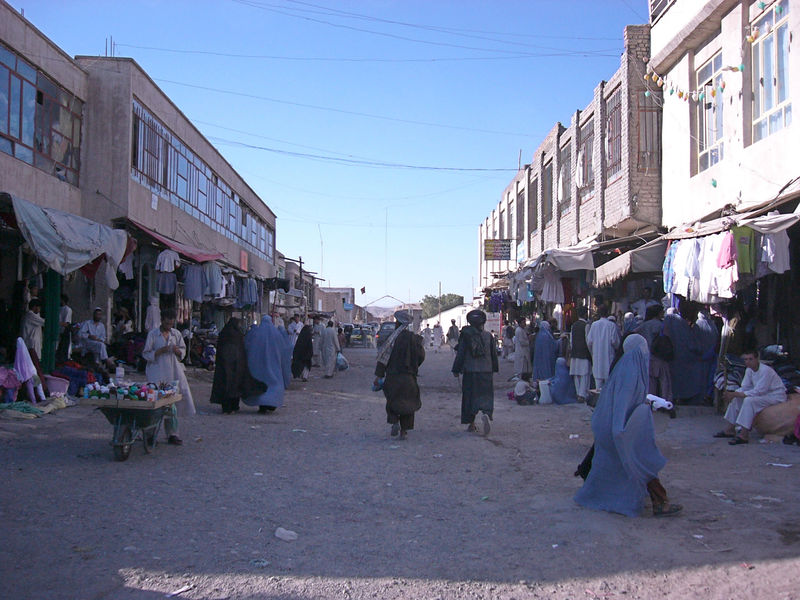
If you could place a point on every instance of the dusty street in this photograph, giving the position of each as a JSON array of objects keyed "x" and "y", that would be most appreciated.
[{"x": 444, "y": 514}]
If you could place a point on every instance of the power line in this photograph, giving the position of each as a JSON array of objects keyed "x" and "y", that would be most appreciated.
[
  {"x": 578, "y": 54},
  {"x": 363, "y": 163},
  {"x": 340, "y": 110}
]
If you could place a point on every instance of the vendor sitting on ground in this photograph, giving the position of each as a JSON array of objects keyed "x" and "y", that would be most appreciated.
[
  {"x": 92, "y": 338},
  {"x": 761, "y": 387}
]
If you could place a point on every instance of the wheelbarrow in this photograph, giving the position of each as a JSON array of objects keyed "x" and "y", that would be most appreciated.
[{"x": 134, "y": 420}]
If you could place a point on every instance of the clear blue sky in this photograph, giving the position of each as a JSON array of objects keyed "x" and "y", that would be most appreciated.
[{"x": 286, "y": 89}]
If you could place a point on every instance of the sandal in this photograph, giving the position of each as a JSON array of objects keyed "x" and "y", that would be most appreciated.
[
  {"x": 395, "y": 429},
  {"x": 175, "y": 440},
  {"x": 738, "y": 440},
  {"x": 666, "y": 510},
  {"x": 724, "y": 434}
]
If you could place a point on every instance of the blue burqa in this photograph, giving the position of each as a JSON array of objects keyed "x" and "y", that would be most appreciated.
[
  {"x": 562, "y": 387},
  {"x": 545, "y": 353},
  {"x": 694, "y": 347},
  {"x": 625, "y": 454},
  {"x": 266, "y": 355},
  {"x": 287, "y": 363}
]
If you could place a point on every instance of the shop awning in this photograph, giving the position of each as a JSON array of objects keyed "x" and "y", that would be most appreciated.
[
  {"x": 66, "y": 242},
  {"x": 190, "y": 252},
  {"x": 573, "y": 258},
  {"x": 648, "y": 258}
]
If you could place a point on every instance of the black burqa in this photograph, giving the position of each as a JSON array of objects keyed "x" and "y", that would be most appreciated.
[
  {"x": 400, "y": 385},
  {"x": 232, "y": 378},
  {"x": 303, "y": 352}
]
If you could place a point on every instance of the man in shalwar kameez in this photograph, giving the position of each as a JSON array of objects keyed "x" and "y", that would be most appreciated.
[
  {"x": 164, "y": 351},
  {"x": 522, "y": 350},
  {"x": 626, "y": 461},
  {"x": 329, "y": 347},
  {"x": 266, "y": 353},
  {"x": 602, "y": 341},
  {"x": 476, "y": 359},
  {"x": 398, "y": 362}
]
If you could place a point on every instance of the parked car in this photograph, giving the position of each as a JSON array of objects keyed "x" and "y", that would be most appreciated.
[
  {"x": 384, "y": 332},
  {"x": 362, "y": 337}
]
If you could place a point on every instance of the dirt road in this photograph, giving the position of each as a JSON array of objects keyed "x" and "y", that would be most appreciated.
[{"x": 444, "y": 514}]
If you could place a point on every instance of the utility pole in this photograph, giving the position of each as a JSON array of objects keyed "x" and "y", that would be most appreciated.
[{"x": 439, "y": 316}]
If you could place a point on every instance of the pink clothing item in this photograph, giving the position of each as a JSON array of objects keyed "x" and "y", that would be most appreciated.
[
  {"x": 727, "y": 251},
  {"x": 23, "y": 364}
]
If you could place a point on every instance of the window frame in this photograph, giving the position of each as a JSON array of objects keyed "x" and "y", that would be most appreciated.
[
  {"x": 766, "y": 121},
  {"x": 614, "y": 133}
]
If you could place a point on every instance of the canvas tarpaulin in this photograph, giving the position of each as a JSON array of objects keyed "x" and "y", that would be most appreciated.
[
  {"x": 66, "y": 242},
  {"x": 648, "y": 258}
]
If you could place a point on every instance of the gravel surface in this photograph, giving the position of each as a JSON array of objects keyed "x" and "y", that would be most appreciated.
[{"x": 445, "y": 514}]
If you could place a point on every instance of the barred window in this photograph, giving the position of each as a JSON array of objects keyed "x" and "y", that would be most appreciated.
[
  {"x": 614, "y": 133},
  {"x": 584, "y": 172},
  {"x": 533, "y": 204},
  {"x": 649, "y": 124},
  {"x": 565, "y": 179},
  {"x": 547, "y": 193},
  {"x": 520, "y": 210}
]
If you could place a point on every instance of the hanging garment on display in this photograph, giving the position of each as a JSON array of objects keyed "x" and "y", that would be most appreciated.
[
  {"x": 194, "y": 280},
  {"x": 552, "y": 290},
  {"x": 167, "y": 261},
  {"x": 213, "y": 280},
  {"x": 745, "y": 249},
  {"x": 775, "y": 251},
  {"x": 167, "y": 283}
]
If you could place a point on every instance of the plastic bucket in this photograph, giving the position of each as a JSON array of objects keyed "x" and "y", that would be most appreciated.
[
  {"x": 544, "y": 392},
  {"x": 56, "y": 385}
]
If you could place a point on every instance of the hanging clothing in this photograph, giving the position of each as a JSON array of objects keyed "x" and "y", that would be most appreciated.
[
  {"x": 126, "y": 267},
  {"x": 545, "y": 352},
  {"x": 745, "y": 249},
  {"x": 167, "y": 367},
  {"x": 552, "y": 290},
  {"x": 167, "y": 261},
  {"x": 194, "y": 282},
  {"x": 265, "y": 357},
  {"x": 213, "y": 280},
  {"x": 775, "y": 251},
  {"x": 167, "y": 283},
  {"x": 625, "y": 458}
]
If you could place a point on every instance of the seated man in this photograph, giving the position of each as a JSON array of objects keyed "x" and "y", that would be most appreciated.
[
  {"x": 761, "y": 387},
  {"x": 92, "y": 338}
]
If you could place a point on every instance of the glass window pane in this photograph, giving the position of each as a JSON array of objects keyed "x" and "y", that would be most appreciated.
[
  {"x": 760, "y": 130},
  {"x": 783, "y": 59},
  {"x": 13, "y": 116},
  {"x": 757, "y": 91},
  {"x": 28, "y": 112},
  {"x": 4, "y": 92},
  {"x": 787, "y": 120},
  {"x": 23, "y": 153},
  {"x": 776, "y": 121},
  {"x": 769, "y": 72},
  {"x": 26, "y": 70},
  {"x": 6, "y": 146},
  {"x": 7, "y": 57}
]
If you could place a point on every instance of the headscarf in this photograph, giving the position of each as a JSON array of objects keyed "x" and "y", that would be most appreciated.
[
  {"x": 476, "y": 318},
  {"x": 403, "y": 318},
  {"x": 303, "y": 351},
  {"x": 562, "y": 388},
  {"x": 231, "y": 333}
]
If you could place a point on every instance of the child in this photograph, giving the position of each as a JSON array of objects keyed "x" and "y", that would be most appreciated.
[{"x": 524, "y": 392}]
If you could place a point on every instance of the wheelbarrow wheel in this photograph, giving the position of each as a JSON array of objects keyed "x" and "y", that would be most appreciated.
[{"x": 122, "y": 444}]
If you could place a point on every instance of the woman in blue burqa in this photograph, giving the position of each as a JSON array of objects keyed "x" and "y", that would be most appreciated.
[
  {"x": 266, "y": 359},
  {"x": 626, "y": 461},
  {"x": 398, "y": 362},
  {"x": 545, "y": 353},
  {"x": 562, "y": 388}
]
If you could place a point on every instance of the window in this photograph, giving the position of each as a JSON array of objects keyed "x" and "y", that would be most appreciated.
[
  {"x": 547, "y": 193},
  {"x": 584, "y": 170},
  {"x": 502, "y": 224},
  {"x": 40, "y": 123},
  {"x": 565, "y": 179},
  {"x": 648, "y": 156},
  {"x": 614, "y": 133},
  {"x": 511, "y": 214},
  {"x": 160, "y": 161},
  {"x": 533, "y": 204},
  {"x": 520, "y": 211},
  {"x": 772, "y": 110}
]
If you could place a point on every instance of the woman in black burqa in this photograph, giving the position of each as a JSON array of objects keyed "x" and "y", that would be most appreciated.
[
  {"x": 398, "y": 362},
  {"x": 302, "y": 354},
  {"x": 232, "y": 378},
  {"x": 476, "y": 359}
]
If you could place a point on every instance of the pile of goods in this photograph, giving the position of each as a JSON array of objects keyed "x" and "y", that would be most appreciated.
[{"x": 134, "y": 391}]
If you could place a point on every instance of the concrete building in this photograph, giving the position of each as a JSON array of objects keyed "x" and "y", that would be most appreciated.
[
  {"x": 96, "y": 137},
  {"x": 597, "y": 177},
  {"x": 727, "y": 82}
]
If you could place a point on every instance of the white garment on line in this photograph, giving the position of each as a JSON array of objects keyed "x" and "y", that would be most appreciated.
[{"x": 167, "y": 261}]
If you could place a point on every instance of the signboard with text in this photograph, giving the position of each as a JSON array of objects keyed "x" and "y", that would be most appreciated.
[{"x": 497, "y": 249}]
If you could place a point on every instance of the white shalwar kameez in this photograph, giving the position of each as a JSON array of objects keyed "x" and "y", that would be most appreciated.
[
  {"x": 602, "y": 340},
  {"x": 167, "y": 367},
  {"x": 522, "y": 352},
  {"x": 762, "y": 388},
  {"x": 96, "y": 347}
]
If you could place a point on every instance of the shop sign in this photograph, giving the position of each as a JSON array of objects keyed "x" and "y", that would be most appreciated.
[{"x": 497, "y": 249}]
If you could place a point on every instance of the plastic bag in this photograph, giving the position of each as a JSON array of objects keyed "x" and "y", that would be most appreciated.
[
  {"x": 341, "y": 362},
  {"x": 379, "y": 386}
]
